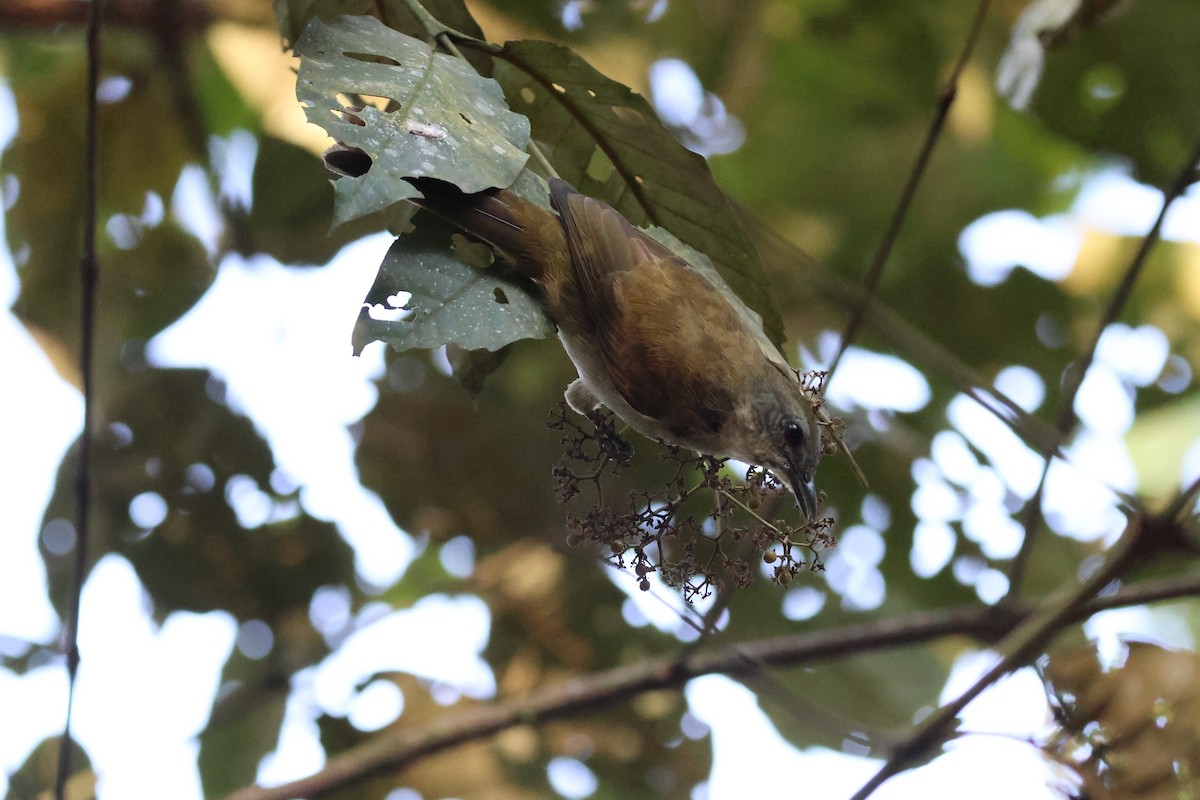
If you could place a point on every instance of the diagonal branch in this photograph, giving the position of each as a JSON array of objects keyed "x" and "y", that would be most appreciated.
[
  {"x": 1076, "y": 372},
  {"x": 401, "y": 748},
  {"x": 1145, "y": 535},
  {"x": 1015, "y": 650},
  {"x": 879, "y": 260}
]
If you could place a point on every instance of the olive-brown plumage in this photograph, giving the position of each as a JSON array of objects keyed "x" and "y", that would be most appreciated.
[{"x": 651, "y": 337}]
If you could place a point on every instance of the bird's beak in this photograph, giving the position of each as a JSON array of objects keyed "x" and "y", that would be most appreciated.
[{"x": 805, "y": 491}]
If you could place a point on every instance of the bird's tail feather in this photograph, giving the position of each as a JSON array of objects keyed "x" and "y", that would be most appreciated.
[{"x": 496, "y": 216}]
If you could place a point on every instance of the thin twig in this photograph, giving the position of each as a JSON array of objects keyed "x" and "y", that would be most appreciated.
[
  {"x": 929, "y": 356},
  {"x": 402, "y": 746},
  {"x": 1076, "y": 372},
  {"x": 1181, "y": 506},
  {"x": 945, "y": 101},
  {"x": 89, "y": 274}
]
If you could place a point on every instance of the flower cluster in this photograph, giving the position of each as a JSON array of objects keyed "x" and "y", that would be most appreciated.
[{"x": 699, "y": 530}]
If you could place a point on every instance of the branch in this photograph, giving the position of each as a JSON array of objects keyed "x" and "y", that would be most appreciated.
[
  {"x": 945, "y": 101},
  {"x": 1015, "y": 650},
  {"x": 195, "y": 15},
  {"x": 400, "y": 748},
  {"x": 1075, "y": 373},
  {"x": 89, "y": 274},
  {"x": 1145, "y": 535}
]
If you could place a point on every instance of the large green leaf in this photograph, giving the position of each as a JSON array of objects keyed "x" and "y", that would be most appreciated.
[
  {"x": 452, "y": 301},
  {"x": 443, "y": 120},
  {"x": 606, "y": 139}
]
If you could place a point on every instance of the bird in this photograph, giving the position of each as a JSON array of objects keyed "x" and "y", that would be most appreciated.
[{"x": 652, "y": 338}]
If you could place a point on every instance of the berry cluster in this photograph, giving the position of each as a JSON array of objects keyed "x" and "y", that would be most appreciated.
[{"x": 697, "y": 531}]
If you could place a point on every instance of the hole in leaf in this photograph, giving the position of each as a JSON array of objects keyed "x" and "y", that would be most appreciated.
[
  {"x": 353, "y": 119},
  {"x": 357, "y": 102},
  {"x": 500, "y": 296},
  {"x": 352, "y": 162},
  {"x": 371, "y": 58},
  {"x": 475, "y": 254},
  {"x": 466, "y": 119}
]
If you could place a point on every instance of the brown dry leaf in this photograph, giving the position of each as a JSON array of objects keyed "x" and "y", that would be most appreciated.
[{"x": 1128, "y": 731}]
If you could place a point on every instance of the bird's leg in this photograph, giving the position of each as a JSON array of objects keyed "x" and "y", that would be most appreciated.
[
  {"x": 580, "y": 398},
  {"x": 614, "y": 446}
]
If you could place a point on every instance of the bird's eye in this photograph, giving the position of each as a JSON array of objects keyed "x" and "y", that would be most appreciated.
[{"x": 793, "y": 434}]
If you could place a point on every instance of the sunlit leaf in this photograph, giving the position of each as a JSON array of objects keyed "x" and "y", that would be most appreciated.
[{"x": 442, "y": 119}]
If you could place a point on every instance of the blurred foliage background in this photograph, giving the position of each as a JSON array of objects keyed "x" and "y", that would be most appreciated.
[{"x": 817, "y": 110}]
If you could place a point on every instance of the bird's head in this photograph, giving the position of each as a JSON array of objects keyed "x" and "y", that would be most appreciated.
[{"x": 778, "y": 430}]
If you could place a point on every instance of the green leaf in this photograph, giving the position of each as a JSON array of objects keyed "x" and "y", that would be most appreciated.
[
  {"x": 443, "y": 120},
  {"x": 230, "y": 753},
  {"x": 606, "y": 139},
  {"x": 452, "y": 301},
  {"x": 294, "y": 15}
]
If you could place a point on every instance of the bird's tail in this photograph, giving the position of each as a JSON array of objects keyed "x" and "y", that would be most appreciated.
[{"x": 509, "y": 223}]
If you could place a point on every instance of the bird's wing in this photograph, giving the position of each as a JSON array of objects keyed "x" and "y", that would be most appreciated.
[
  {"x": 598, "y": 237},
  {"x": 659, "y": 322}
]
